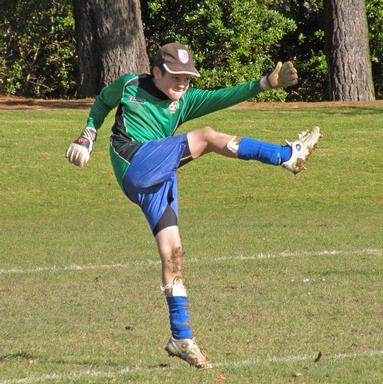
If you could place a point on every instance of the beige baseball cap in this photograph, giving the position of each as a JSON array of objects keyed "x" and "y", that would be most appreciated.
[{"x": 176, "y": 59}]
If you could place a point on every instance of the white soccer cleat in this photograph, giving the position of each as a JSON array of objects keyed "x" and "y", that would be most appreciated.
[
  {"x": 188, "y": 350},
  {"x": 301, "y": 150}
]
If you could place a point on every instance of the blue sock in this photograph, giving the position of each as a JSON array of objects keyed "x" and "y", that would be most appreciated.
[
  {"x": 179, "y": 308},
  {"x": 252, "y": 149}
]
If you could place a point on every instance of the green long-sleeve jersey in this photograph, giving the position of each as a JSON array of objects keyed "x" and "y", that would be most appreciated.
[{"x": 145, "y": 113}]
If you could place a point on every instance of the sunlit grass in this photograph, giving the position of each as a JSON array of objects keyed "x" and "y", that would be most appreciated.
[{"x": 279, "y": 268}]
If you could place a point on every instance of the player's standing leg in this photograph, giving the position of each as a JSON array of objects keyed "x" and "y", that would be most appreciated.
[
  {"x": 181, "y": 343},
  {"x": 151, "y": 182}
]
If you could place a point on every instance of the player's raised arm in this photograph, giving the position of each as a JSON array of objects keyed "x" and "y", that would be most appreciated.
[{"x": 199, "y": 102}]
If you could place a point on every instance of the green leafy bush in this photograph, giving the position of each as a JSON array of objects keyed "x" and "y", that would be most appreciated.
[
  {"x": 306, "y": 44},
  {"x": 37, "y": 51},
  {"x": 233, "y": 41},
  {"x": 375, "y": 26}
]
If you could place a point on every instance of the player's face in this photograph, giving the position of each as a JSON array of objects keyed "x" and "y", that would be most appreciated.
[{"x": 173, "y": 86}]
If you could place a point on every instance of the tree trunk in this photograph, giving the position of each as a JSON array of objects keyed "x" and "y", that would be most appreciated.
[
  {"x": 348, "y": 50},
  {"x": 110, "y": 42}
]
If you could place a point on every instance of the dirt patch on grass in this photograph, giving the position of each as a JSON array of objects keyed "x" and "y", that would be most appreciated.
[{"x": 15, "y": 103}]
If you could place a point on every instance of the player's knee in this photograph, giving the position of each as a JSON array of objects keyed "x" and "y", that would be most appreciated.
[
  {"x": 205, "y": 134},
  {"x": 208, "y": 133}
]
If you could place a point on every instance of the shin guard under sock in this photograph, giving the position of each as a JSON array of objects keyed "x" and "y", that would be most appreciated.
[
  {"x": 252, "y": 149},
  {"x": 179, "y": 308}
]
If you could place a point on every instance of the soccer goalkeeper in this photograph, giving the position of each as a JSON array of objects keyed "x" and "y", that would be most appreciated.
[{"x": 146, "y": 154}]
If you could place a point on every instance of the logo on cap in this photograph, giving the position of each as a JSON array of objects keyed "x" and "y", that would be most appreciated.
[{"x": 183, "y": 56}]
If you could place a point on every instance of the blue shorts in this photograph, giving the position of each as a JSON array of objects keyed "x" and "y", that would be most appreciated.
[{"x": 151, "y": 181}]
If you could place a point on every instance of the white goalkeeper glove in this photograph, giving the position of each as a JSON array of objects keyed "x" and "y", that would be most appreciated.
[
  {"x": 283, "y": 76},
  {"x": 79, "y": 151}
]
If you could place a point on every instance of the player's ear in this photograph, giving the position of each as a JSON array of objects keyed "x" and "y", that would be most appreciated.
[{"x": 156, "y": 72}]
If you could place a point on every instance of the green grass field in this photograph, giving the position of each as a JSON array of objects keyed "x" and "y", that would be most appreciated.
[{"x": 285, "y": 274}]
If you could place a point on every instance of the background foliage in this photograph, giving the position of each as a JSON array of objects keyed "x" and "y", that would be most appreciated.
[
  {"x": 375, "y": 22},
  {"x": 306, "y": 45},
  {"x": 37, "y": 48},
  {"x": 233, "y": 41}
]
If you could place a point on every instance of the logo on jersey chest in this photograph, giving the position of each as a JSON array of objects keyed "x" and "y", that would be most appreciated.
[
  {"x": 136, "y": 99},
  {"x": 173, "y": 106}
]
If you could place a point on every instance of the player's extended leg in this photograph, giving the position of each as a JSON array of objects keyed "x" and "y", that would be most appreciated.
[
  {"x": 181, "y": 343},
  {"x": 291, "y": 156}
]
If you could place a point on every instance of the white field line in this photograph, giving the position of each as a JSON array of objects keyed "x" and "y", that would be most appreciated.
[
  {"x": 112, "y": 374},
  {"x": 258, "y": 256}
]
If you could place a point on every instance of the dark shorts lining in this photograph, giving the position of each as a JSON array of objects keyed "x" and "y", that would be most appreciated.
[{"x": 168, "y": 219}]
